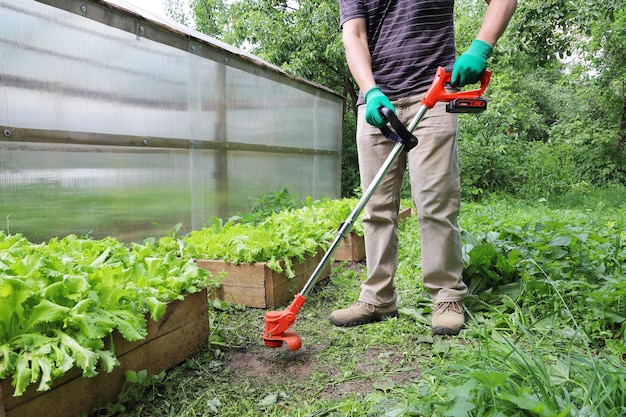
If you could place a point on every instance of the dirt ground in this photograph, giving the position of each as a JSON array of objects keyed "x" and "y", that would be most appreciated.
[
  {"x": 273, "y": 365},
  {"x": 267, "y": 365}
]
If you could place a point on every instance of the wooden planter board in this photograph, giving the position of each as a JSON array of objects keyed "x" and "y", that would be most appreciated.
[
  {"x": 352, "y": 247},
  {"x": 404, "y": 213},
  {"x": 255, "y": 285},
  {"x": 180, "y": 333}
]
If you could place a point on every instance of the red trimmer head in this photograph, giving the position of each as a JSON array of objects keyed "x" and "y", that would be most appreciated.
[{"x": 277, "y": 322}]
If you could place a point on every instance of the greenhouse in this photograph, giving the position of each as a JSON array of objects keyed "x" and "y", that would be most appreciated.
[{"x": 118, "y": 123}]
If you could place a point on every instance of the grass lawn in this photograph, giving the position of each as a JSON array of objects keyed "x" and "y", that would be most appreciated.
[{"x": 545, "y": 333}]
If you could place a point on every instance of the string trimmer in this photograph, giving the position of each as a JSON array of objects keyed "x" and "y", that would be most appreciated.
[{"x": 278, "y": 322}]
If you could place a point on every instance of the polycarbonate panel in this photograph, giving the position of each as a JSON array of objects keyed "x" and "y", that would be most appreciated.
[
  {"x": 96, "y": 191},
  {"x": 104, "y": 131},
  {"x": 262, "y": 111},
  {"x": 249, "y": 170},
  {"x": 65, "y": 72}
]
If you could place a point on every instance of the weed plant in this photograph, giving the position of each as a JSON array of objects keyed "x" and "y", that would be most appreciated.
[{"x": 545, "y": 332}]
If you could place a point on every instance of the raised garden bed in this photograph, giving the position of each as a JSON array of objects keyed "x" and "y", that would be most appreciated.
[
  {"x": 77, "y": 313},
  {"x": 256, "y": 285},
  {"x": 179, "y": 333},
  {"x": 264, "y": 264},
  {"x": 261, "y": 284}
]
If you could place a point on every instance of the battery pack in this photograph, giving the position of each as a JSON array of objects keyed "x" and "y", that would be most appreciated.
[{"x": 467, "y": 105}]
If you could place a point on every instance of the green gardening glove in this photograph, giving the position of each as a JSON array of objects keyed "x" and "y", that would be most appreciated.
[
  {"x": 470, "y": 66},
  {"x": 374, "y": 99}
]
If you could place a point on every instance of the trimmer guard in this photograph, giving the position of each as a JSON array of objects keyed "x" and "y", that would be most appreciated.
[{"x": 277, "y": 322}]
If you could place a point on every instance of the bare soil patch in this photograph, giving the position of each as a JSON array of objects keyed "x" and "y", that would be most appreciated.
[{"x": 372, "y": 372}]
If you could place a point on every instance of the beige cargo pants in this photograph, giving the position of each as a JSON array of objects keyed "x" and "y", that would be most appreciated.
[{"x": 435, "y": 189}]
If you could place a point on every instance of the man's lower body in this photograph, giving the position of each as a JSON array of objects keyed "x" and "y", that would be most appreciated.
[{"x": 435, "y": 188}]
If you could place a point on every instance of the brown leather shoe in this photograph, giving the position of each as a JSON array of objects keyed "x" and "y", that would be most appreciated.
[
  {"x": 362, "y": 313},
  {"x": 448, "y": 318}
]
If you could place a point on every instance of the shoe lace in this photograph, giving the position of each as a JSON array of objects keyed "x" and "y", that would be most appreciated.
[
  {"x": 454, "y": 306},
  {"x": 368, "y": 306}
]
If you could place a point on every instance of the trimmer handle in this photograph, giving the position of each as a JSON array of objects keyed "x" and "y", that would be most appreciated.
[{"x": 437, "y": 91}]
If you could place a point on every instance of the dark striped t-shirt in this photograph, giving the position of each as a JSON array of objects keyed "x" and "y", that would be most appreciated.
[{"x": 408, "y": 40}]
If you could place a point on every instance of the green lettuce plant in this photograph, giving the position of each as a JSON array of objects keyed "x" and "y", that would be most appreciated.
[{"x": 60, "y": 301}]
